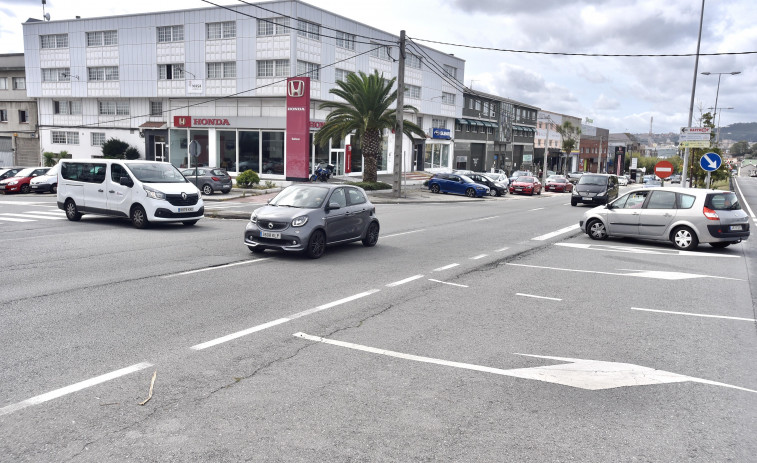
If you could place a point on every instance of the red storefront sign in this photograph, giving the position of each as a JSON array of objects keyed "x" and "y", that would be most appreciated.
[
  {"x": 298, "y": 128},
  {"x": 348, "y": 159},
  {"x": 182, "y": 121},
  {"x": 189, "y": 121}
]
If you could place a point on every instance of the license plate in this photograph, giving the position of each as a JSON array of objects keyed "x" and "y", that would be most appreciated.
[
  {"x": 34, "y": 187},
  {"x": 273, "y": 235},
  {"x": 2, "y": 187},
  {"x": 586, "y": 199},
  {"x": 736, "y": 228},
  {"x": 186, "y": 209},
  {"x": 518, "y": 189}
]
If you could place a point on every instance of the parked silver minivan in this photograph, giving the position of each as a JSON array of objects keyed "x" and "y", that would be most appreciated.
[{"x": 684, "y": 216}]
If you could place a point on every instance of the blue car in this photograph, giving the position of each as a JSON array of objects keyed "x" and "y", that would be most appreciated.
[{"x": 457, "y": 184}]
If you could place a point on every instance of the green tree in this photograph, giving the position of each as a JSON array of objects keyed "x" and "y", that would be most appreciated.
[
  {"x": 114, "y": 148},
  {"x": 570, "y": 135},
  {"x": 52, "y": 158},
  {"x": 365, "y": 112},
  {"x": 740, "y": 148}
]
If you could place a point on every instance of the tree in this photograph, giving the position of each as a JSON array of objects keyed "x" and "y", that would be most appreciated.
[
  {"x": 114, "y": 148},
  {"x": 740, "y": 148},
  {"x": 365, "y": 112},
  {"x": 569, "y": 134}
]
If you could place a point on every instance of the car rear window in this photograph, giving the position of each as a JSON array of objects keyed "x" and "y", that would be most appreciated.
[
  {"x": 722, "y": 202},
  {"x": 218, "y": 172},
  {"x": 686, "y": 201}
]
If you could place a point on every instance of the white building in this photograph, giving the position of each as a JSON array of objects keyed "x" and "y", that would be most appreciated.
[
  {"x": 133, "y": 77},
  {"x": 558, "y": 160}
]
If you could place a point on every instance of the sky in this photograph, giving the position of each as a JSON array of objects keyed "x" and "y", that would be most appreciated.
[{"x": 622, "y": 94}]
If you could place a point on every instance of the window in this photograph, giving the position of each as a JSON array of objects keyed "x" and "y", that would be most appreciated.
[
  {"x": 312, "y": 70},
  {"x": 470, "y": 103},
  {"x": 308, "y": 29},
  {"x": 478, "y": 105},
  {"x": 65, "y": 138},
  {"x": 412, "y": 91},
  {"x": 273, "y": 68},
  {"x": 380, "y": 51},
  {"x": 156, "y": 108},
  {"x": 98, "y": 138},
  {"x": 486, "y": 108},
  {"x": 224, "y": 30},
  {"x": 19, "y": 83},
  {"x": 3, "y": 83},
  {"x": 341, "y": 75},
  {"x": 345, "y": 40},
  {"x": 413, "y": 61},
  {"x": 102, "y": 38},
  {"x": 686, "y": 201},
  {"x": 439, "y": 123},
  {"x": 170, "y": 34},
  {"x": 226, "y": 70},
  {"x": 170, "y": 72},
  {"x": 113, "y": 108},
  {"x": 3, "y": 115},
  {"x": 273, "y": 26},
  {"x": 448, "y": 98},
  {"x": 450, "y": 71},
  {"x": 103, "y": 73},
  {"x": 66, "y": 107},
  {"x": 54, "y": 41},
  {"x": 23, "y": 116},
  {"x": 56, "y": 75}
]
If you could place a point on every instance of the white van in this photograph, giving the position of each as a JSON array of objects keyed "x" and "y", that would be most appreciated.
[
  {"x": 46, "y": 182},
  {"x": 142, "y": 191}
]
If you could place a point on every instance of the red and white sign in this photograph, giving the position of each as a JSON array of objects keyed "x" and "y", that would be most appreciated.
[
  {"x": 189, "y": 121},
  {"x": 663, "y": 169},
  {"x": 348, "y": 159},
  {"x": 298, "y": 128}
]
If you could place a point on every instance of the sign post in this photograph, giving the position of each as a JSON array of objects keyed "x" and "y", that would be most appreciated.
[
  {"x": 194, "y": 150},
  {"x": 663, "y": 169}
]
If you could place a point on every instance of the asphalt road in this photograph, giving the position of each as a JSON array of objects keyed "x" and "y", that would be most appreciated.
[{"x": 488, "y": 330}]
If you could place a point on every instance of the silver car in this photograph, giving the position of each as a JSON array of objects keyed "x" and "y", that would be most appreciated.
[
  {"x": 307, "y": 218},
  {"x": 209, "y": 179},
  {"x": 684, "y": 216}
]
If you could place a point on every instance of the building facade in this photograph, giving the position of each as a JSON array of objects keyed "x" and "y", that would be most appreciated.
[
  {"x": 19, "y": 138},
  {"x": 548, "y": 138},
  {"x": 593, "y": 149},
  {"x": 218, "y": 76}
]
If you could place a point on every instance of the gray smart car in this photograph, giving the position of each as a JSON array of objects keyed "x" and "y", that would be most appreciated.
[{"x": 307, "y": 218}]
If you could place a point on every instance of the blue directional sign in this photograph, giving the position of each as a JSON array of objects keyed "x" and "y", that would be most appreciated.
[{"x": 710, "y": 161}]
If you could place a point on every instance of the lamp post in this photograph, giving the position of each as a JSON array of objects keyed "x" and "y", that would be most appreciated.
[
  {"x": 717, "y": 136},
  {"x": 546, "y": 151},
  {"x": 717, "y": 92}
]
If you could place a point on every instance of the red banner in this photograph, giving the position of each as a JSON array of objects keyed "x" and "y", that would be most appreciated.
[
  {"x": 348, "y": 159},
  {"x": 182, "y": 121},
  {"x": 298, "y": 128}
]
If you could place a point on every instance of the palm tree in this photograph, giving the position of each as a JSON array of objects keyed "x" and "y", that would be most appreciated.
[
  {"x": 569, "y": 134},
  {"x": 365, "y": 112}
]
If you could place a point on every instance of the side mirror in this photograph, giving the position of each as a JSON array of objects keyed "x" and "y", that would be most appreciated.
[
  {"x": 610, "y": 206},
  {"x": 332, "y": 206},
  {"x": 126, "y": 181}
]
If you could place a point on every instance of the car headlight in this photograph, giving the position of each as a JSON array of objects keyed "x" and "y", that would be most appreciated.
[
  {"x": 14, "y": 182},
  {"x": 254, "y": 217},
  {"x": 299, "y": 221},
  {"x": 602, "y": 193},
  {"x": 154, "y": 194}
]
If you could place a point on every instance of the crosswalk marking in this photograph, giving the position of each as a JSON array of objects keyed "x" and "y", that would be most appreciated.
[
  {"x": 11, "y": 219},
  {"x": 34, "y": 216}
]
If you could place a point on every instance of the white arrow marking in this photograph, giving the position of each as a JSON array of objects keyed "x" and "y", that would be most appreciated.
[
  {"x": 640, "y": 250},
  {"x": 713, "y": 164},
  {"x": 584, "y": 374}
]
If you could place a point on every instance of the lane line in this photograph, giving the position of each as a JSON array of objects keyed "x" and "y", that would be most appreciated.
[
  {"x": 406, "y": 280},
  {"x": 695, "y": 314},
  {"x": 11, "y": 219},
  {"x": 486, "y": 218},
  {"x": 555, "y": 233},
  {"x": 446, "y": 267},
  {"x": 637, "y": 273},
  {"x": 189, "y": 272},
  {"x": 332, "y": 304},
  {"x": 73, "y": 388},
  {"x": 744, "y": 200},
  {"x": 538, "y": 297},
  {"x": 403, "y": 233},
  {"x": 35, "y": 216},
  {"x": 480, "y": 256},
  {"x": 501, "y": 249},
  {"x": 537, "y": 209},
  {"x": 447, "y": 283}
]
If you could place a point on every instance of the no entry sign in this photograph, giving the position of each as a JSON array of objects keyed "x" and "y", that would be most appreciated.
[{"x": 663, "y": 169}]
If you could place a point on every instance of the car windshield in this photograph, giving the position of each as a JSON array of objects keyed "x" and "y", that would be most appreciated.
[
  {"x": 25, "y": 172},
  {"x": 593, "y": 180},
  {"x": 525, "y": 179},
  {"x": 308, "y": 197},
  {"x": 557, "y": 180},
  {"x": 156, "y": 172},
  {"x": 723, "y": 202},
  {"x": 495, "y": 177}
]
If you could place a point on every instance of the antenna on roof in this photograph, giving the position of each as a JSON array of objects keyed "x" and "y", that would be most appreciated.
[{"x": 45, "y": 15}]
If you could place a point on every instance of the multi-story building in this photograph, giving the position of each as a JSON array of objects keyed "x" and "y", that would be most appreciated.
[
  {"x": 593, "y": 149},
  {"x": 218, "y": 76},
  {"x": 19, "y": 139},
  {"x": 548, "y": 138}
]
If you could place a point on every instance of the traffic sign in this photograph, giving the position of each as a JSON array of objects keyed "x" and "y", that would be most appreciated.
[
  {"x": 710, "y": 161},
  {"x": 194, "y": 148},
  {"x": 704, "y": 130},
  {"x": 663, "y": 169}
]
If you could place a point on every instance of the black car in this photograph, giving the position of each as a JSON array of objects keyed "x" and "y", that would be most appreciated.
[
  {"x": 8, "y": 172},
  {"x": 595, "y": 189},
  {"x": 494, "y": 188}
]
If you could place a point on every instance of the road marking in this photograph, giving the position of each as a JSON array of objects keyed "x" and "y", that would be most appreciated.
[
  {"x": 446, "y": 267},
  {"x": 537, "y": 209},
  {"x": 744, "y": 200},
  {"x": 696, "y": 314},
  {"x": 189, "y": 272},
  {"x": 11, "y": 219},
  {"x": 501, "y": 249},
  {"x": 35, "y": 216},
  {"x": 406, "y": 280},
  {"x": 538, "y": 297},
  {"x": 485, "y": 218},
  {"x": 273, "y": 323},
  {"x": 55, "y": 211},
  {"x": 555, "y": 233},
  {"x": 480, "y": 256},
  {"x": 72, "y": 388},
  {"x": 447, "y": 283},
  {"x": 403, "y": 233},
  {"x": 637, "y": 273},
  {"x": 24, "y": 203},
  {"x": 579, "y": 373},
  {"x": 641, "y": 250}
]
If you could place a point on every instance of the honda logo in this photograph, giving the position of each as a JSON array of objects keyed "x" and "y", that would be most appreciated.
[{"x": 296, "y": 88}]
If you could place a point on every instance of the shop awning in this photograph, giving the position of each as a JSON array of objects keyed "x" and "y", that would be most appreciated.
[
  {"x": 462, "y": 121},
  {"x": 523, "y": 128},
  {"x": 475, "y": 122},
  {"x": 490, "y": 124},
  {"x": 154, "y": 125}
]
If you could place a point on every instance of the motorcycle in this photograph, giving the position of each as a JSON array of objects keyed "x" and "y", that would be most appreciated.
[{"x": 322, "y": 174}]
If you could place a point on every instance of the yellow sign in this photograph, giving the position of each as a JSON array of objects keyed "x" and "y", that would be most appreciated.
[{"x": 694, "y": 144}]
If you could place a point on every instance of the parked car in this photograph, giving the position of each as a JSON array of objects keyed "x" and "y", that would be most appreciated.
[
  {"x": 46, "y": 182},
  {"x": 595, "y": 189},
  {"x": 526, "y": 185},
  {"x": 457, "y": 184},
  {"x": 308, "y": 217},
  {"x": 494, "y": 188},
  {"x": 675, "y": 178},
  {"x": 622, "y": 180},
  {"x": 8, "y": 172},
  {"x": 499, "y": 178},
  {"x": 19, "y": 183},
  {"x": 684, "y": 216},
  {"x": 651, "y": 183},
  {"x": 574, "y": 177},
  {"x": 558, "y": 183},
  {"x": 209, "y": 179},
  {"x": 520, "y": 173}
]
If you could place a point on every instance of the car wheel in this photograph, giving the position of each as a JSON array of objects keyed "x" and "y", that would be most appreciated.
[
  {"x": 720, "y": 244},
  {"x": 25, "y": 189},
  {"x": 434, "y": 188},
  {"x": 189, "y": 223},
  {"x": 573, "y": 202},
  {"x": 207, "y": 189},
  {"x": 54, "y": 188},
  {"x": 256, "y": 249},
  {"x": 493, "y": 192},
  {"x": 532, "y": 193},
  {"x": 597, "y": 230},
  {"x": 500, "y": 193},
  {"x": 316, "y": 244},
  {"x": 139, "y": 217},
  {"x": 684, "y": 238},
  {"x": 72, "y": 213},
  {"x": 470, "y": 192},
  {"x": 371, "y": 236},
  {"x": 226, "y": 192}
]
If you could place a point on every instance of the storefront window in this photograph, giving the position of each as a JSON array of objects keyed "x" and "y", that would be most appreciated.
[
  {"x": 201, "y": 136},
  {"x": 178, "y": 149},
  {"x": 381, "y": 165},
  {"x": 320, "y": 154},
  {"x": 436, "y": 156},
  {"x": 226, "y": 153},
  {"x": 273, "y": 153},
  {"x": 249, "y": 151}
]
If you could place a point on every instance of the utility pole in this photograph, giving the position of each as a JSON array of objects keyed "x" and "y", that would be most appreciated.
[
  {"x": 400, "y": 118},
  {"x": 599, "y": 167},
  {"x": 691, "y": 105},
  {"x": 546, "y": 153}
]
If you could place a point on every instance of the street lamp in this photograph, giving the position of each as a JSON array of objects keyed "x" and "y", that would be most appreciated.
[
  {"x": 717, "y": 136},
  {"x": 717, "y": 92}
]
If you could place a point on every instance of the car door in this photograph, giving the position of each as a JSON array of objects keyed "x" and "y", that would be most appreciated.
[
  {"x": 623, "y": 216},
  {"x": 337, "y": 220},
  {"x": 118, "y": 196},
  {"x": 360, "y": 212},
  {"x": 455, "y": 184},
  {"x": 95, "y": 198},
  {"x": 657, "y": 214}
]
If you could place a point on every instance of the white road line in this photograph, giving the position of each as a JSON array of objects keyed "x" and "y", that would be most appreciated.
[
  {"x": 35, "y": 216},
  {"x": 447, "y": 283},
  {"x": 403, "y": 233},
  {"x": 406, "y": 280},
  {"x": 189, "y": 272},
  {"x": 331, "y": 304},
  {"x": 73, "y": 388},
  {"x": 11, "y": 219},
  {"x": 486, "y": 218},
  {"x": 641, "y": 250},
  {"x": 538, "y": 297},
  {"x": 695, "y": 314},
  {"x": 480, "y": 256},
  {"x": 446, "y": 267},
  {"x": 501, "y": 249},
  {"x": 660, "y": 275},
  {"x": 537, "y": 209},
  {"x": 744, "y": 200},
  {"x": 555, "y": 233},
  {"x": 54, "y": 212}
]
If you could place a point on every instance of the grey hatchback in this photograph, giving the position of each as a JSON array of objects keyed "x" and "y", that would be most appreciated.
[
  {"x": 209, "y": 179},
  {"x": 307, "y": 218}
]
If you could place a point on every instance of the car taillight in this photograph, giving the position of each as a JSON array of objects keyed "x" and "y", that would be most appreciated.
[
  {"x": 216, "y": 179},
  {"x": 710, "y": 214}
]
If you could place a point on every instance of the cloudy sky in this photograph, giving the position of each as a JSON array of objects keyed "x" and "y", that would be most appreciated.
[{"x": 619, "y": 93}]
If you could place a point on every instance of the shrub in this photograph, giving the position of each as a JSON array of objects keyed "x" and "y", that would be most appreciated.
[
  {"x": 114, "y": 148},
  {"x": 372, "y": 185},
  {"x": 247, "y": 179},
  {"x": 50, "y": 158},
  {"x": 131, "y": 153}
]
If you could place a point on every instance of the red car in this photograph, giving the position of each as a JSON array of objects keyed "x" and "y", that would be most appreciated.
[
  {"x": 560, "y": 184},
  {"x": 20, "y": 183},
  {"x": 525, "y": 185}
]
